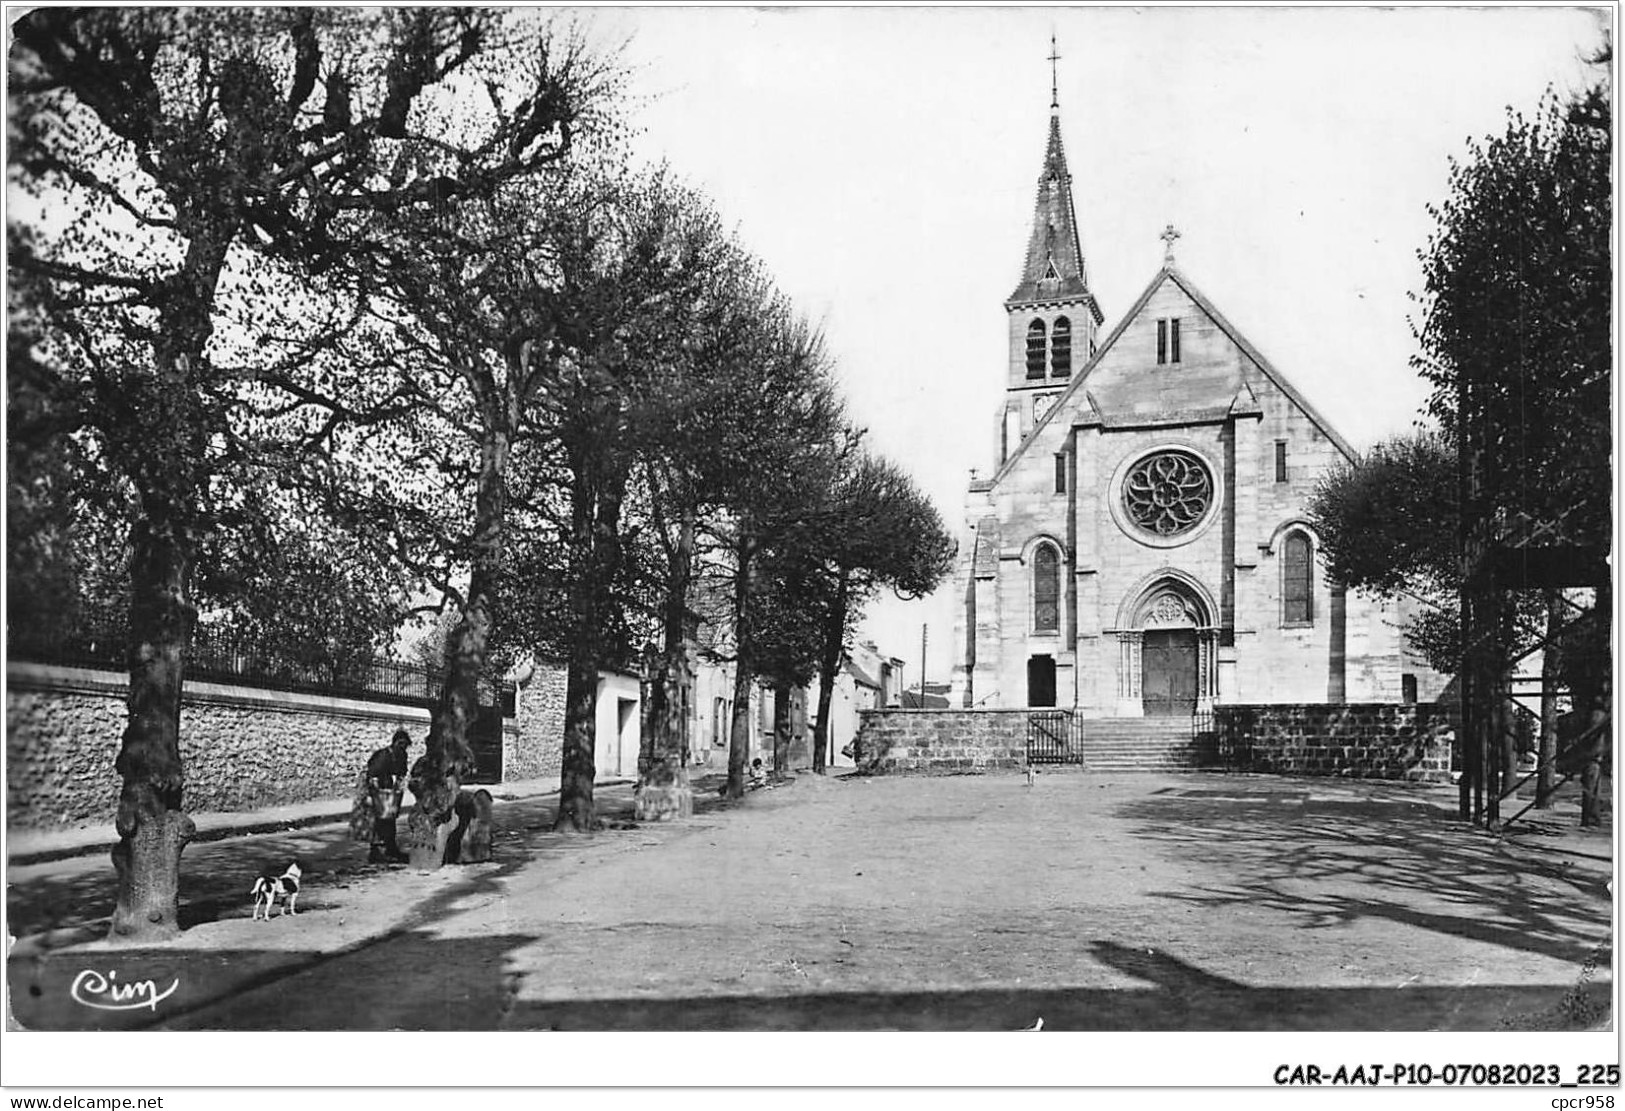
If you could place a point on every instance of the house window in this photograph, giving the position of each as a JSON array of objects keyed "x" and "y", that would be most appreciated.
[
  {"x": 1173, "y": 340},
  {"x": 1407, "y": 689},
  {"x": 1046, "y": 589},
  {"x": 1280, "y": 460},
  {"x": 1035, "y": 349},
  {"x": 1162, "y": 342},
  {"x": 1297, "y": 581},
  {"x": 1060, "y": 472},
  {"x": 1060, "y": 347}
]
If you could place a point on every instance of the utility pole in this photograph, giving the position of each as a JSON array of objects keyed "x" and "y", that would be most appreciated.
[{"x": 923, "y": 628}]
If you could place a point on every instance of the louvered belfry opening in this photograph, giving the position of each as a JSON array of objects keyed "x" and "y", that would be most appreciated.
[
  {"x": 1035, "y": 349},
  {"x": 1061, "y": 348}
]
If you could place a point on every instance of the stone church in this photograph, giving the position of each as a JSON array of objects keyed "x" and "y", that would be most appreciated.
[{"x": 1141, "y": 547}]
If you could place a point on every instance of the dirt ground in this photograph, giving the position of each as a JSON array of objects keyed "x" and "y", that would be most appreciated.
[{"x": 1098, "y": 902}]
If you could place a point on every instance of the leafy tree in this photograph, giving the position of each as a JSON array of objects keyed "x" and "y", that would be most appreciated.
[
  {"x": 650, "y": 273},
  {"x": 470, "y": 305},
  {"x": 884, "y": 533},
  {"x": 790, "y": 595},
  {"x": 1517, "y": 320},
  {"x": 299, "y": 591},
  {"x": 776, "y": 505},
  {"x": 185, "y": 144},
  {"x": 1515, "y": 340},
  {"x": 1515, "y": 337},
  {"x": 1389, "y": 526},
  {"x": 715, "y": 410}
]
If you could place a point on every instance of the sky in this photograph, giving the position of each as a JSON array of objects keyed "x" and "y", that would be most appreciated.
[{"x": 883, "y": 163}]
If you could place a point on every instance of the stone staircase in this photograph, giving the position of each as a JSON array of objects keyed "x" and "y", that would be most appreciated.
[{"x": 1143, "y": 745}]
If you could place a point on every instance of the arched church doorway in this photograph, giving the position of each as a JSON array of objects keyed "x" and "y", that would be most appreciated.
[
  {"x": 1041, "y": 681},
  {"x": 1168, "y": 640}
]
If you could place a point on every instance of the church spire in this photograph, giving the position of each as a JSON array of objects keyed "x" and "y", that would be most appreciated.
[{"x": 1054, "y": 269}]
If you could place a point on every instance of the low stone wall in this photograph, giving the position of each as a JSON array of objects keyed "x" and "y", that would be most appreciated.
[
  {"x": 243, "y": 748},
  {"x": 1358, "y": 740},
  {"x": 940, "y": 741}
]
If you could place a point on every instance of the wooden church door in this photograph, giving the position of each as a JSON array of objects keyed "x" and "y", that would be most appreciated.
[{"x": 1168, "y": 672}]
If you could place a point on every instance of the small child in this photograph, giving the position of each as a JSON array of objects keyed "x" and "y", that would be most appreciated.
[{"x": 758, "y": 774}]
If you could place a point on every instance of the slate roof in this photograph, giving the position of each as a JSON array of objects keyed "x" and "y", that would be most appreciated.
[{"x": 1054, "y": 269}]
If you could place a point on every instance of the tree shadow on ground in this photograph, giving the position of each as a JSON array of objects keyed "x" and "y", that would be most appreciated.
[
  {"x": 417, "y": 981},
  {"x": 74, "y": 899},
  {"x": 1325, "y": 859}
]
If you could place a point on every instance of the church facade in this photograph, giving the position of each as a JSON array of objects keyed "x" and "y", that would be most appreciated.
[{"x": 1142, "y": 548}]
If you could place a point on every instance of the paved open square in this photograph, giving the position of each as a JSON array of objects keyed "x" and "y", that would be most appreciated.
[{"x": 1094, "y": 902}]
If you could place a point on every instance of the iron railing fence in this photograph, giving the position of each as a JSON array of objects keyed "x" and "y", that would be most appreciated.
[
  {"x": 97, "y": 638},
  {"x": 1054, "y": 737},
  {"x": 1205, "y": 740}
]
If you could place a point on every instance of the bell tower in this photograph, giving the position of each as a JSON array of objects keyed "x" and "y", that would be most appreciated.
[{"x": 1054, "y": 319}]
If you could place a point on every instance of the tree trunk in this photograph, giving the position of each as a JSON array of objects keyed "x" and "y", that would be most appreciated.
[
  {"x": 668, "y": 741},
  {"x": 663, "y": 789},
  {"x": 1598, "y": 697},
  {"x": 152, "y": 829},
  {"x": 448, "y": 760},
  {"x": 834, "y": 644},
  {"x": 826, "y": 700},
  {"x": 596, "y": 493},
  {"x": 576, "y": 808},
  {"x": 1507, "y": 722},
  {"x": 739, "y": 731},
  {"x": 1551, "y": 667},
  {"x": 1591, "y": 793},
  {"x": 744, "y": 672},
  {"x": 781, "y": 724},
  {"x": 162, "y": 451}
]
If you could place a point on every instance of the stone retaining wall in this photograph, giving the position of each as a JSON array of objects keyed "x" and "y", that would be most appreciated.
[
  {"x": 243, "y": 748},
  {"x": 1357, "y": 740},
  {"x": 940, "y": 741}
]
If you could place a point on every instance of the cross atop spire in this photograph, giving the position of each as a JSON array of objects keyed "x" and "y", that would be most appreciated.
[
  {"x": 1054, "y": 74},
  {"x": 1168, "y": 236}
]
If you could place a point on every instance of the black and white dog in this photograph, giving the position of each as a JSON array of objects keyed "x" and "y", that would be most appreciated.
[{"x": 268, "y": 889}]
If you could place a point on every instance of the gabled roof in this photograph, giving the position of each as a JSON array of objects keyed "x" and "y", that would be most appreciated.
[
  {"x": 1169, "y": 273},
  {"x": 860, "y": 676},
  {"x": 1054, "y": 269}
]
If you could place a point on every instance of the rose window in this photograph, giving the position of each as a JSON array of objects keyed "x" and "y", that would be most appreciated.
[{"x": 1168, "y": 493}]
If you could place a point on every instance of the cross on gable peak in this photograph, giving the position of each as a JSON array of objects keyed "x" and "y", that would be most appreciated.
[{"x": 1169, "y": 234}]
